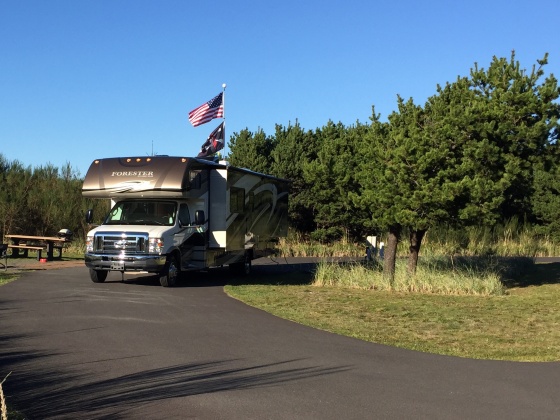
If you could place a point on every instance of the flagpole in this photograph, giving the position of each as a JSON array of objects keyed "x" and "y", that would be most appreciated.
[{"x": 224, "y": 116}]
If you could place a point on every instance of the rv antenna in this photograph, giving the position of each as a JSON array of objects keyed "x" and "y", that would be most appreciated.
[{"x": 152, "y": 149}]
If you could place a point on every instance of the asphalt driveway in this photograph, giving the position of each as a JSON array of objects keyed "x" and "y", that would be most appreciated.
[{"x": 134, "y": 350}]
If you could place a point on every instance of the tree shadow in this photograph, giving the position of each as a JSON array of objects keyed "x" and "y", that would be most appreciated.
[
  {"x": 538, "y": 275},
  {"x": 10, "y": 355},
  {"x": 40, "y": 385},
  {"x": 42, "y": 392},
  {"x": 512, "y": 271},
  {"x": 280, "y": 273}
]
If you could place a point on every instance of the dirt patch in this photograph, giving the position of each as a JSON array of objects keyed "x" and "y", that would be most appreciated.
[{"x": 26, "y": 264}]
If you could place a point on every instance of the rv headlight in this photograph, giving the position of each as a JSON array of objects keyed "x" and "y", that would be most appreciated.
[
  {"x": 156, "y": 245},
  {"x": 89, "y": 244}
]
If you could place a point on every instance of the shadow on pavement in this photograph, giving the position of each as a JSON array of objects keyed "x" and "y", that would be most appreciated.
[
  {"x": 41, "y": 393},
  {"x": 264, "y": 272},
  {"x": 522, "y": 272}
]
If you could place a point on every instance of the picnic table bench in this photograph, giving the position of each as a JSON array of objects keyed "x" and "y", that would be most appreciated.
[
  {"x": 39, "y": 244},
  {"x": 26, "y": 249}
]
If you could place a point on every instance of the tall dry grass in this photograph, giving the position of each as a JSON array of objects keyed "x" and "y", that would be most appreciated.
[
  {"x": 435, "y": 275},
  {"x": 76, "y": 247},
  {"x": 512, "y": 239},
  {"x": 470, "y": 261},
  {"x": 297, "y": 245},
  {"x": 3, "y": 406}
]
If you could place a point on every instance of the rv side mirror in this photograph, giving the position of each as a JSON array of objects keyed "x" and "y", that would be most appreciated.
[
  {"x": 89, "y": 216},
  {"x": 199, "y": 218}
]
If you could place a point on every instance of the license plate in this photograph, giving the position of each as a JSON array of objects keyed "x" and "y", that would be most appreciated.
[{"x": 117, "y": 266}]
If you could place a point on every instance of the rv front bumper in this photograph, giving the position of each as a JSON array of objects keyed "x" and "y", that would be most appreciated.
[{"x": 149, "y": 263}]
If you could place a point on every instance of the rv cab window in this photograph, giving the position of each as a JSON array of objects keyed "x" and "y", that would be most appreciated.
[{"x": 143, "y": 212}]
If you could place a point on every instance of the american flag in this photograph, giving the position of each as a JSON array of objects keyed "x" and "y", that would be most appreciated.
[
  {"x": 214, "y": 108},
  {"x": 214, "y": 142}
]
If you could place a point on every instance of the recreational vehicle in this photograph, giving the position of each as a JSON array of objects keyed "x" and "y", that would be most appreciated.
[{"x": 175, "y": 214}]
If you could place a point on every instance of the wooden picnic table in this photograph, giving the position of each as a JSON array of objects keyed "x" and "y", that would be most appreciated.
[{"x": 37, "y": 243}]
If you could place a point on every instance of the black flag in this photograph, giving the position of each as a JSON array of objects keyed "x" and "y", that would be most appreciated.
[{"x": 214, "y": 142}]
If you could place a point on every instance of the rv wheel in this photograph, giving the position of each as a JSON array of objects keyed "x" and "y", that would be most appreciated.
[
  {"x": 242, "y": 268},
  {"x": 247, "y": 266},
  {"x": 97, "y": 276},
  {"x": 168, "y": 277}
]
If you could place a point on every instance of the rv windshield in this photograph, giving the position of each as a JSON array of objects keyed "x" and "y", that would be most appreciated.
[{"x": 139, "y": 212}]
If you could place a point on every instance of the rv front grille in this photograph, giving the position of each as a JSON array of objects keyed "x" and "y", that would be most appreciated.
[{"x": 116, "y": 243}]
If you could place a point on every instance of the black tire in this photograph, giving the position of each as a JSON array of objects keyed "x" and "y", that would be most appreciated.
[
  {"x": 242, "y": 268},
  {"x": 168, "y": 277},
  {"x": 247, "y": 266},
  {"x": 98, "y": 276}
]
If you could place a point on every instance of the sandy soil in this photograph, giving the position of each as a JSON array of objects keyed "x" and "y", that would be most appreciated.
[{"x": 31, "y": 263}]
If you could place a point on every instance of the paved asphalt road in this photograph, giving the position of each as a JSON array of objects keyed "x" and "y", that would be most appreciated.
[{"x": 135, "y": 350}]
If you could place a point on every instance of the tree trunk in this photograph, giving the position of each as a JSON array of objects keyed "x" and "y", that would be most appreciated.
[
  {"x": 391, "y": 253},
  {"x": 416, "y": 237}
]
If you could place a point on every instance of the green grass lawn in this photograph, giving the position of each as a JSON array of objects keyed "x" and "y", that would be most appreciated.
[{"x": 522, "y": 325}]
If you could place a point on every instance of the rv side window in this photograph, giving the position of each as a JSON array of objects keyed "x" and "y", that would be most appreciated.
[
  {"x": 194, "y": 179},
  {"x": 236, "y": 200},
  {"x": 184, "y": 215}
]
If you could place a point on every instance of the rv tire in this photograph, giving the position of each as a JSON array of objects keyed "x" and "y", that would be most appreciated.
[
  {"x": 168, "y": 277},
  {"x": 97, "y": 276},
  {"x": 243, "y": 268}
]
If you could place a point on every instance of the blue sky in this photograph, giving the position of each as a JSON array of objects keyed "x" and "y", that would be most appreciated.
[{"x": 86, "y": 79}]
